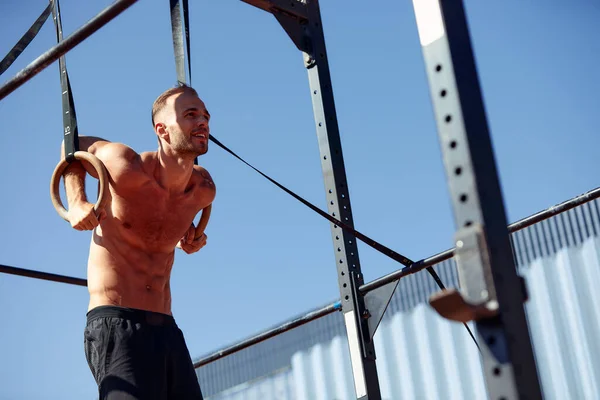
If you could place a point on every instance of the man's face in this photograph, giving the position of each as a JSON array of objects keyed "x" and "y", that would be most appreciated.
[{"x": 186, "y": 121}]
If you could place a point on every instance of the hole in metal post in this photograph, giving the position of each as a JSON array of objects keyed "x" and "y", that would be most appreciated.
[
  {"x": 468, "y": 223},
  {"x": 458, "y": 171},
  {"x": 497, "y": 371},
  {"x": 453, "y": 144},
  {"x": 443, "y": 93},
  {"x": 448, "y": 118},
  {"x": 463, "y": 198},
  {"x": 438, "y": 68}
]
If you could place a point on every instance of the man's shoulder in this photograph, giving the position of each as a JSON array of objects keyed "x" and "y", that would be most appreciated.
[
  {"x": 200, "y": 171},
  {"x": 202, "y": 175},
  {"x": 116, "y": 153},
  {"x": 117, "y": 149}
]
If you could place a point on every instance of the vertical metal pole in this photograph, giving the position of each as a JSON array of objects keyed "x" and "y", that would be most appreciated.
[
  {"x": 491, "y": 288},
  {"x": 350, "y": 278}
]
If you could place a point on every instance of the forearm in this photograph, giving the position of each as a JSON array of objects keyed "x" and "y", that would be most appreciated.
[{"x": 75, "y": 183}]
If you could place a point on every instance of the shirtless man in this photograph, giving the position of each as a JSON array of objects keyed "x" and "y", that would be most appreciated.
[{"x": 132, "y": 344}]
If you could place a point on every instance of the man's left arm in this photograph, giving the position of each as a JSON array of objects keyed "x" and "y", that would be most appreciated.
[
  {"x": 206, "y": 195},
  {"x": 189, "y": 244}
]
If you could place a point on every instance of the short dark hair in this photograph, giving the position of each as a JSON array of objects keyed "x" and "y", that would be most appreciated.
[{"x": 161, "y": 100}]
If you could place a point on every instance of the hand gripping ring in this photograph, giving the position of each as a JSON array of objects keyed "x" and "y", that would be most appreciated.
[
  {"x": 58, "y": 173},
  {"x": 203, "y": 221}
]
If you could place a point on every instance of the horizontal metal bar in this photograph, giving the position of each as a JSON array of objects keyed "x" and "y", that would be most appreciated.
[
  {"x": 43, "y": 61},
  {"x": 448, "y": 254},
  {"x": 367, "y": 287},
  {"x": 42, "y": 275},
  {"x": 311, "y": 316},
  {"x": 291, "y": 7}
]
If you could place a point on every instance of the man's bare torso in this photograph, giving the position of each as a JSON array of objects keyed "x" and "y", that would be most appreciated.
[{"x": 132, "y": 250}]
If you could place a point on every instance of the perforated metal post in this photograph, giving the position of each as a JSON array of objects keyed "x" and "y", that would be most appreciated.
[
  {"x": 492, "y": 293},
  {"x": 302, "y": 22},
  {"x": 350, "y": 278}
]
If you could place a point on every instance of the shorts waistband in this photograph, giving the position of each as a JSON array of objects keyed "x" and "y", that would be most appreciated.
[{"x": 132, "y": 314}]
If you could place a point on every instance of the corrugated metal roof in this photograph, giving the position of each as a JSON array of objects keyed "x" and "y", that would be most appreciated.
[{"x": 422, "y": 356}]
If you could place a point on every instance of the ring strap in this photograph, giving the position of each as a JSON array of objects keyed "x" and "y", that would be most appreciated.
[{"x": 71, "y": 134}]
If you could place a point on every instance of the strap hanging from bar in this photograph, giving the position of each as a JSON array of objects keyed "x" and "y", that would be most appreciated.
[
  {"x": 31, "y": 33},
  {"x": 178, "y": 29},
  {"x": 181, "y": 32},
  {"x": 71, "y": 135}
]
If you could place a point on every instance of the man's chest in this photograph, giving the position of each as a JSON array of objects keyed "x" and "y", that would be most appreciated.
[{"x": 152, "y": 216}]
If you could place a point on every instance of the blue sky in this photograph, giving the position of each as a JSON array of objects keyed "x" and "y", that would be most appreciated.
[{"x": 268, "y": 257}]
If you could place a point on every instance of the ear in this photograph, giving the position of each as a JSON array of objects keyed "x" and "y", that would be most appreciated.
[{"x": 161, "y": 131}]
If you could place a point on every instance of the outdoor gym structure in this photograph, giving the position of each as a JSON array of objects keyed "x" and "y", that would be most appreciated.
[{"x": 492, "y": 294}]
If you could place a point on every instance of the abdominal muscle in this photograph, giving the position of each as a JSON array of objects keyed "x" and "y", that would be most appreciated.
[{"x": 124, "y": 275}]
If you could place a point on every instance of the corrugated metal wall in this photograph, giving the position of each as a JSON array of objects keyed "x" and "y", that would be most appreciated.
[{"x": 422, "y": 356}]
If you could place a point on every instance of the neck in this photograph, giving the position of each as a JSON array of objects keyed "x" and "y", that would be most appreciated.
[{"x": 173, "y": 172}]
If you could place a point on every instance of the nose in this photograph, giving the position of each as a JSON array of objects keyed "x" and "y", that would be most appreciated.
[{"x": 202, "y": 122}]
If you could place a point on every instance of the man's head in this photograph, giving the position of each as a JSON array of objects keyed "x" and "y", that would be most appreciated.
[{"x": 180, "y": 120}]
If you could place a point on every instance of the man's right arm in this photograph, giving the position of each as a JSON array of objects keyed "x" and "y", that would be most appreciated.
[{"x": 81, "y": 212}]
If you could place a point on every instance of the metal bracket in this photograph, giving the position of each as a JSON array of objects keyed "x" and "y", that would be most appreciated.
[
  {"x": 478, "y": 299},
  {"x": 297, "y": 30},
  {"x": 376, "y": 302},
  {"x": 296, "y": 8}
]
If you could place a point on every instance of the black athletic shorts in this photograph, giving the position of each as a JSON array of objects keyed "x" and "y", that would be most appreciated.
[{"x": 141, "y": 355}]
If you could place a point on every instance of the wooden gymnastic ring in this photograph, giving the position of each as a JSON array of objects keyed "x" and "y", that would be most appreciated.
[
  {"x": 58, "y": 173},
  {"x": 203, "y": 221}
]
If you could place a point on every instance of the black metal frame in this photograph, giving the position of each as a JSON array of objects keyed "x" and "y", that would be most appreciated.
[{"x": 485, "y": 261}]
